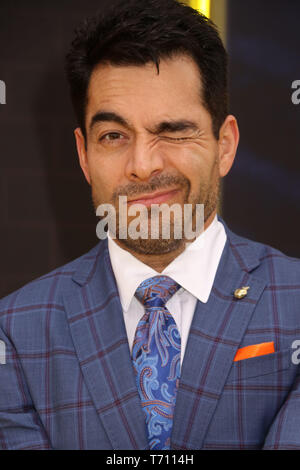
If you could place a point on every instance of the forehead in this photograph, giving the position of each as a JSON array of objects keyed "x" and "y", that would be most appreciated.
[{"x": 139, "y": 92}]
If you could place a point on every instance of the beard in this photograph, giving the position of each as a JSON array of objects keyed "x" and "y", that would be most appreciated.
[{"x": 208, "y": 194}]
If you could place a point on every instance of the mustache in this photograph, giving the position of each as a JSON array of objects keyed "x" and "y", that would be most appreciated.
[{"x": 157, "y": 182}]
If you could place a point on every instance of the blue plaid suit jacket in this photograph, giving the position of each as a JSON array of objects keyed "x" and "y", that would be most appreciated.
[{"x": 68, "y": 381}]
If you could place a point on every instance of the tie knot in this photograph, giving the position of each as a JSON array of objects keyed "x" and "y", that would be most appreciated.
[{"x": 156, "y": 291}]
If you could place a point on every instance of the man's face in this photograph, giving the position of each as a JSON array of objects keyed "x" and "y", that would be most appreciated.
[{"x": 149, "y": 133}]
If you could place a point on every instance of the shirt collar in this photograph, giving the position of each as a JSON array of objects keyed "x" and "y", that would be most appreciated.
[{"x": 194, "y": 269}]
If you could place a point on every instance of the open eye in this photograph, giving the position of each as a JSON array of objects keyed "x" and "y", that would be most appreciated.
[{"x": 111, "y": 137}]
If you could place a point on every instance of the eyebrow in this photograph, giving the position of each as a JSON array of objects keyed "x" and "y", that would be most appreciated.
[
  {"x": 107, "y": 116},
  {"x": 174, "y": 126},
  {"x": 164, "y": 126}
]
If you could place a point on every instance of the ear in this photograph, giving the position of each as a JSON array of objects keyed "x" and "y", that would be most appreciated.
[
  {"x": 82, "y": 153},
  {"x": 228, "y": 141}
]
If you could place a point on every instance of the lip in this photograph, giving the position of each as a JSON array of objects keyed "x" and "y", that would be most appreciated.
[{"x": 154, "y": 198}]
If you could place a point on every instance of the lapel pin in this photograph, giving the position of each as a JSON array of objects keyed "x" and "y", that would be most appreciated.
[{"x": 242, "y": 292}]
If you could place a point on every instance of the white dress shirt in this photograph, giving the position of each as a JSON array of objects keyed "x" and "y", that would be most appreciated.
[{"x": 194, "y": 269}]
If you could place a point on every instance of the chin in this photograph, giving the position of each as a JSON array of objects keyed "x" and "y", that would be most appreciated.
[{"x": 151, "y": 246}]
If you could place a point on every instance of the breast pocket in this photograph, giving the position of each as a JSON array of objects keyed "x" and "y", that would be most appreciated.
[
  {"x": 253, "y": 394},
  {"x": 261, "y": 365}
]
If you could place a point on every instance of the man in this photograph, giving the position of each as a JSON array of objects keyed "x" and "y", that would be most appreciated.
[{"x": 154, "y": 343}]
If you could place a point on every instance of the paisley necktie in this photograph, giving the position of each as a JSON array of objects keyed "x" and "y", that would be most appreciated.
[{"x": 156, "y": 358}]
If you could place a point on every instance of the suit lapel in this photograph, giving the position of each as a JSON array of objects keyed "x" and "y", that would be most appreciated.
[
  {"x": 97, "y": 327},
  {"x": 216, "y": 332},
  {"x": 99, "y": 335}
]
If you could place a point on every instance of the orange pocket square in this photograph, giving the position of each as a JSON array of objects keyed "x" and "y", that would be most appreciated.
[{"x": 254, "y": 350}]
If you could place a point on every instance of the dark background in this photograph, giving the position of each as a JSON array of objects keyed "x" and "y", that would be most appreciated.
[
  {"x": 261, "y": 197},
  {"x": 46, "y": 213}
]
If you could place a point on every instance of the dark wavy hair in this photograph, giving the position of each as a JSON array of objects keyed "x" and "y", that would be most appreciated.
[{"x": 135, "y": 32}]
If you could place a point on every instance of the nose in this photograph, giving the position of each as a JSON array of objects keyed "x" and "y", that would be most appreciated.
[{"x": 145, "y": 161}]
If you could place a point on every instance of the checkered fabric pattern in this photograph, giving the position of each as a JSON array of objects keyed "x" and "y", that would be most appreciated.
[{"x": 69, "y": 383}]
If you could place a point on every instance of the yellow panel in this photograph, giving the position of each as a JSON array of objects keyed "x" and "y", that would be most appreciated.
[{"x": 201, "y": 5}]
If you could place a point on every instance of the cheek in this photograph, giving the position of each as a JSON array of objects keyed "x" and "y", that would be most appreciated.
[
  {"x": 192, "y": 163},
  {"x": 104, "y": 177}
]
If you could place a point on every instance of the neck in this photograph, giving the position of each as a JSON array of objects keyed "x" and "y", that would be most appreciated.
[{"x": 159, "y": 262}]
